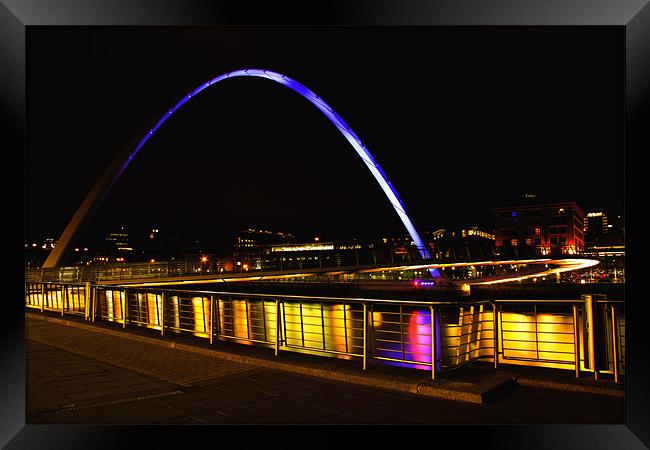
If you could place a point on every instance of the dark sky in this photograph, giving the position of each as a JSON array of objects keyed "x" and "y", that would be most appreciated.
[{"x": 460, "y": 119}]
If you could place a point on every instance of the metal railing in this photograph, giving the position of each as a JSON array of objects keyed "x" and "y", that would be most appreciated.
[
  {"x": 125, "y": 271},
  {"x": 64, "y": 298},
  {"x": 563, "y": 334},
  {"x": 435, "y": 336}
]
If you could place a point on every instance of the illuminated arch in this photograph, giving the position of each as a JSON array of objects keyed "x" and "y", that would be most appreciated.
[{"x": 106, "y": 182}]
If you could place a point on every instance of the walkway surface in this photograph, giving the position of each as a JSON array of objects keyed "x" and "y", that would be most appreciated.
[{"x": 98, "y": 374}]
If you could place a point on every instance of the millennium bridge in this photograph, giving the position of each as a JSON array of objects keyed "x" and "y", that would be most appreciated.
[{"x": 438, "y": 327}]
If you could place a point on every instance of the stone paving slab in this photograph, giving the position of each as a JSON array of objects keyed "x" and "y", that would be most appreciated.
[
  {"x": 164, "y": 363},
  {"x": 50, "y": 387},
  {"x": 235, "y": 358},
  {"x": 269, "y": 396},
  {"x": 477, "y": 383}
]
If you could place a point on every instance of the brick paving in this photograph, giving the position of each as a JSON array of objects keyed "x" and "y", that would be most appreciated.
[{"x": 96, "y": 368}]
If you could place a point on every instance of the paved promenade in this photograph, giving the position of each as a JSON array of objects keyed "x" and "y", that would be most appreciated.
[{"x": 77, "y": 374}]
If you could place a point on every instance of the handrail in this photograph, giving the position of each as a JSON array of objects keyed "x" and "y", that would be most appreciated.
[{"x": 440, "y": 335}]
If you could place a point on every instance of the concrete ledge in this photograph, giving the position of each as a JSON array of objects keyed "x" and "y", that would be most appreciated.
[{"x": 565, "y": 386}]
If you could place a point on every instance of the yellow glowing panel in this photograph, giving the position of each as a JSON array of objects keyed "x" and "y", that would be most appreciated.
[{"x": 201, "y": 313}]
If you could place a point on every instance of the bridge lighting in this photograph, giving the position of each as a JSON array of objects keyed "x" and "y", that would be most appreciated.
[
  {"x": 76, "y": 249},
  {"x": 152, "y": 260},
  {"x": 316, "y": 239}
]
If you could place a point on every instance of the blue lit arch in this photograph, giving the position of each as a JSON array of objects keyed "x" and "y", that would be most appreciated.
[{"x": 343, "y": 127}]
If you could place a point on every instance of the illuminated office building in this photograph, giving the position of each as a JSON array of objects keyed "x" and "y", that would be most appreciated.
[
  {"x": 461, "y": 244},
  {"x": 249, "y": 242},
  {"x": 324, "y": 254},
  {"x": 604, "y": 231},
  {"x": 539, "y": 229},
  {"x": 116, "y": 246},
  {"x": 604, "y": 227}
]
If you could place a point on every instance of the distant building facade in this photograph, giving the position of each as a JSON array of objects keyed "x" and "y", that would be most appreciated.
[
  {"x": 248, "y": 243},
  {"x": 604, "y": 230},
  {"x": 461, "y": 244},
  {"x": 324, "y": 254},
  {"x": 539, "y": 230}
]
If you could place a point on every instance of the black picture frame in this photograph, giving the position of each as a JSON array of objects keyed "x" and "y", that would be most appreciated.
[{"x": 633, "y": 15}]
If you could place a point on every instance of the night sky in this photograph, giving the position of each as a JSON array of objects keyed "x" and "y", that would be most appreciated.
[{"x": 460, "y": 119}]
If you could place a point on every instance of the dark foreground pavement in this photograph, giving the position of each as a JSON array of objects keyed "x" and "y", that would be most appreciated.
[{"x": 80, "y": 375}]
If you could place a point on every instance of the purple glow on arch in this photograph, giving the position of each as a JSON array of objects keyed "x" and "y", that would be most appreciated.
[{"x": 343, "y": 127}]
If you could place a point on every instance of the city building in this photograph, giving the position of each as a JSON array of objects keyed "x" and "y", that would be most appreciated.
[
  {"x": 539, "y": 230},
  {"x": 461, "y": 244},
  {"x": 37, "y": 252},
  {"x": 324, "y": 254},
  {"x": 402, "y": 248},
  {"x": 604, "y": 227},
  {"x": 604, "y": 231},
  {"x": 115, "y": 247},
  {"x": 249, "y": 242}
]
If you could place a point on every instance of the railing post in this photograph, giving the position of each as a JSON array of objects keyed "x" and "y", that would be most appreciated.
[
  {"x": 162, "y": 313},
  {"x": 365, "y": 335},
  {"x": 124, "y": 307},
  {"x": 591, "y": 319},
  {"x": 434, "y": 357},
  {"x": 278, "y": 327},
  {"x": 88, "y": 304},
  {"x": 95, "y": 298},
  {"x": 614, "y": 344},
  {"x": 64, "y": 291},
  {"x": 211, "y": 319},
  {"x": 576, "y": 340},
  {"x": 42, "y": 296},
  {"x": 495, "y": 333}
]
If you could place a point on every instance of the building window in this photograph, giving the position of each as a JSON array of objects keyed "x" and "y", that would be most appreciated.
[
  {"x": 513, "y": 242},
  {"x": 538, "y": 231}
]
